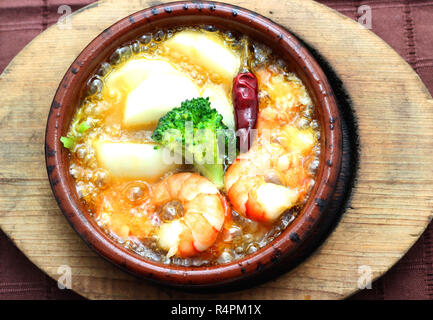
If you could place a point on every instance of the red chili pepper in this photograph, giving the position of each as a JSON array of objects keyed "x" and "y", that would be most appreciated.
[{"x": 245, "y": 102}]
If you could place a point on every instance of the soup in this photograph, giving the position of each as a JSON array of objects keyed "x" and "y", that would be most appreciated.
[{"x": 194, "y": 146}]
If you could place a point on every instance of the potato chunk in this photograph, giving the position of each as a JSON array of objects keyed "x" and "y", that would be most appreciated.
[
  {"x": 220, "y": 101},
  {"x": 148, "y": 89},
  {"x": 206, "y": 50},
  {"x": 156, "y": 96},
  {"x": 132, "y": 160},
  {"x": 132, "y": 73}
]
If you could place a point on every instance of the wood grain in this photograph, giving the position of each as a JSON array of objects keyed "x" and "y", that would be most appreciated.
[{"x": 392, "y": 201}]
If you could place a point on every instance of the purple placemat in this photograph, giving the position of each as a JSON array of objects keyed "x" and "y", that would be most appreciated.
[{"x": 407, "y": 26}]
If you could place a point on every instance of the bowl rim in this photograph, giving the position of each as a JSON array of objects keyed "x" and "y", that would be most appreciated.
[{"x": 264, "y": 259}]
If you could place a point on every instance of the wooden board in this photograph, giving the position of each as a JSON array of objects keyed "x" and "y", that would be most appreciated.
[{"x": 392, "y": 201}]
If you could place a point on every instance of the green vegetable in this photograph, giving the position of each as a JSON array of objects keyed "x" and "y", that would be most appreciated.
[
  {"x": 67, "y": 142},
  {"x": 74, "y": 135},
  {"x": 83, "y": 127},
  {"x": 197, "y": 132}
]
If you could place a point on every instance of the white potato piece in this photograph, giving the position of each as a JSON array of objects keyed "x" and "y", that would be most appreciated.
[
  {"x": 132, "y": 160},
  {"x": 156, "y": 96},
  {"x": 206, "y": 50},
  {"x": 220, "y": 101},
  {"x": 132, "y": 73}
]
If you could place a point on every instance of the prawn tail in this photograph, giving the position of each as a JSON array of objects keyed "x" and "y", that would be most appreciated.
[
  {"x": 203, "y": 233},
  {"x": 254, "y": 211},
  {"x": 186, "y": 246}
]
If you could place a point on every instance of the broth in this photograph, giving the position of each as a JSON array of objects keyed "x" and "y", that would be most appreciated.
[{"x": 102, "y": 122}]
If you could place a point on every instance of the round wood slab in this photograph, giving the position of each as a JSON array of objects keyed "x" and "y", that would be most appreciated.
[{"x": 392, "y": 199}]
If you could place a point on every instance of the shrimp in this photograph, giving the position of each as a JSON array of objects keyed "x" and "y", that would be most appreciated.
[
  {"x": 272, "y": 176},
  {"x": 205, "y": 211},
  {"x": 131, "y": 210},
  {"x": 265, "y": 182}
]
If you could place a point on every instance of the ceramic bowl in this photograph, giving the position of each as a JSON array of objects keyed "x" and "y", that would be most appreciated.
[{"x": 256, "y": 266}]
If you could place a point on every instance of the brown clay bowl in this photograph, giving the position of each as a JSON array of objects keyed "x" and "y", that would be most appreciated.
[{"x": 283, "y": 249}]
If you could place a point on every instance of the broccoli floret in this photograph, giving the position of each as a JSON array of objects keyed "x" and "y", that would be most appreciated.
[{"x": 197, "y": 132}]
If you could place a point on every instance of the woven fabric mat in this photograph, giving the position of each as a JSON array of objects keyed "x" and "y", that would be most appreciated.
[{"x": 406, "y": 25}]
